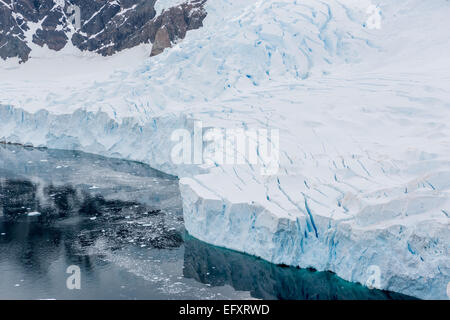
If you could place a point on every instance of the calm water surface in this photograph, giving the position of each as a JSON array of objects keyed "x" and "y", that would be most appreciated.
[{"x": 121, "y": 223}]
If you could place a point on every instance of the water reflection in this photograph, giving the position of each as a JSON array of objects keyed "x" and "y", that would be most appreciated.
[
  {"x": 57, "y": 179},
  {"x": 121, "y": 223},
  {"x": 218, "y": 267}
]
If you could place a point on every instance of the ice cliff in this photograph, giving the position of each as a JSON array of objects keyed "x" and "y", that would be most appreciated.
[{"x": 363, "y": 182}]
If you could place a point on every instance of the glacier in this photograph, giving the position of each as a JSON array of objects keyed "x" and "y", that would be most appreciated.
[{"x": 362, "y": 113}]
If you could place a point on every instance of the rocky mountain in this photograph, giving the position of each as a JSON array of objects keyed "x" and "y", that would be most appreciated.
[{"x": 101, "y": 26}]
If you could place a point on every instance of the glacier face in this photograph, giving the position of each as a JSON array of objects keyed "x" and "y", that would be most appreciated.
[{"x": 363, "y": 120}]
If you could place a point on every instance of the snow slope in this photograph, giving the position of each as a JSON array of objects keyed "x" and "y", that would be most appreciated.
[{"x": 363, "y": 116}]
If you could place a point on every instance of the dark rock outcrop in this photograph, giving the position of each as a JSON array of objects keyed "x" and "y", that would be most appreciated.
[
  {"x": 162, "y": 41},
  {"x": 107, "y": 26}
]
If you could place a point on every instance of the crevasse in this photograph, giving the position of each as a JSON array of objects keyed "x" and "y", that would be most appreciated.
[{"x": 362, "y": 114}]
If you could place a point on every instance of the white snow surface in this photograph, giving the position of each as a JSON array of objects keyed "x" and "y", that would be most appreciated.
[
  {"x": 162, "y": 5},
  {"x": 363, "y": 115}
]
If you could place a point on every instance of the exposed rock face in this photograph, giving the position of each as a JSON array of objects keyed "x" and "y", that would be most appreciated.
[
  {"x": 12, "y": 35},
  {"x": 162, "y": 41},
  {"x": 173, "y": 24},
  {"x": 107, "y": 26}
]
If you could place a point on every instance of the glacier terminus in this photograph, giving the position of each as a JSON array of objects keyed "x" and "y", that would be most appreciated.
[{"x": 358, "y": 92}]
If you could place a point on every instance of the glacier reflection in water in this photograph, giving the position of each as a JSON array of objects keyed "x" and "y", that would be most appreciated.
[{"x": 121, "y": 223}]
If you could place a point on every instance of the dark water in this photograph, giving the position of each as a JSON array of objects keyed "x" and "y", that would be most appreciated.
[{"x": 121, "y": 223}]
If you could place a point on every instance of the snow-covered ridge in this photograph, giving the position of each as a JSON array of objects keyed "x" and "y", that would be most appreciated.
[
  {"x": 162, "y": 5},
  {"x": 363, "y": 119}
]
